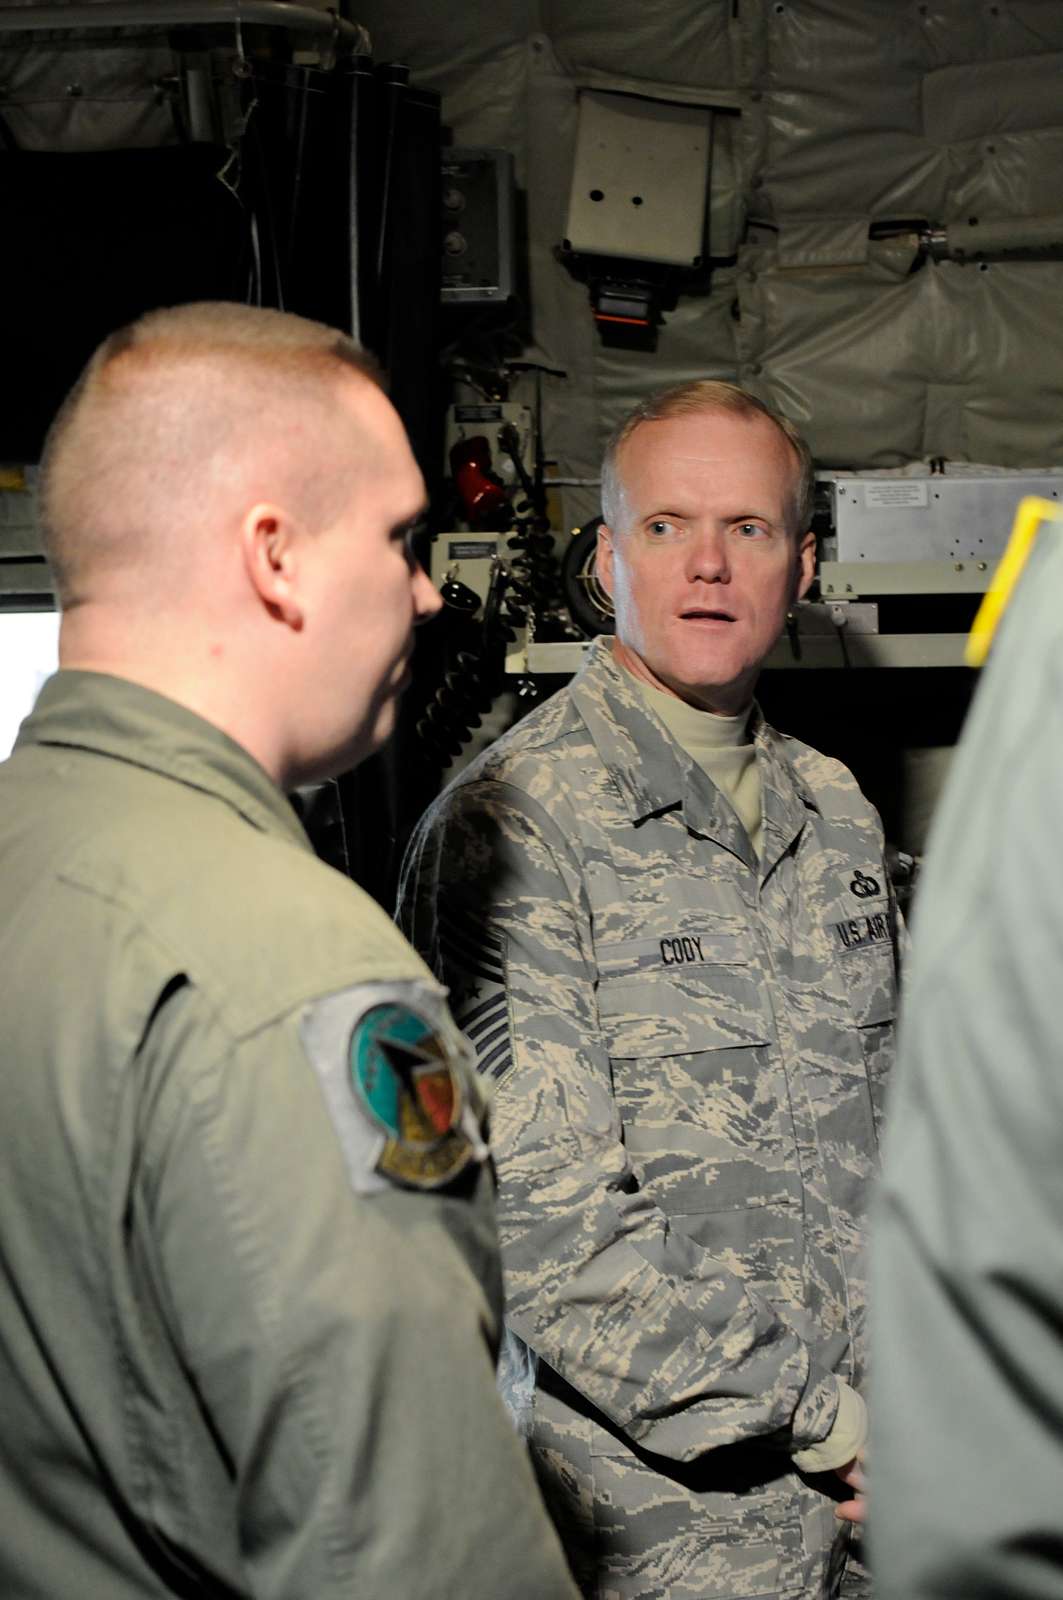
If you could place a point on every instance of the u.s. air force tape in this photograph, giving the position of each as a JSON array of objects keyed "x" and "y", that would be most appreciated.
[{"x": 397, "y": 1085}]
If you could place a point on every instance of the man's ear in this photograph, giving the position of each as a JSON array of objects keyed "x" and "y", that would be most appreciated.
[
  {"x": 806, "y": 564},
  {"x": 603, "y": 559},
  {"x": 270, "y": 541}
]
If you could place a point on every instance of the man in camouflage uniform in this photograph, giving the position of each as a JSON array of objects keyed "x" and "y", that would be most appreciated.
[
  {"x": 669, "y": 934},
  {"x": 249, "y": 1288}
]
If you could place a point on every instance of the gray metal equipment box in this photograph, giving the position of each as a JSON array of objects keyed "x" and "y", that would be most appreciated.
[
  {"x": 477, "y": 202},
  {"x": 640, "y": 183},
  {"x": 962, "y": 515}
]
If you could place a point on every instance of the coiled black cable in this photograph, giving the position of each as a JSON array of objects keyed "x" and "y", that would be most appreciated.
[{"x": 476, "y": 678}]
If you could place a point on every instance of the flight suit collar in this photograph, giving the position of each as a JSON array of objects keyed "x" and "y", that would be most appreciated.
[
  {"x": 110, "y": 715},
  {"x": 653, "y": 774}
]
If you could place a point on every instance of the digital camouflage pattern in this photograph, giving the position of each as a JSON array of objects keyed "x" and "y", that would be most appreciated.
[{"x": 690, "y": 1052}]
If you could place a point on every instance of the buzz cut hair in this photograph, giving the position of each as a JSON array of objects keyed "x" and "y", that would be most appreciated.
[
  {"x": 703, "y": 396},
  {"x": 130, "y": 424}
]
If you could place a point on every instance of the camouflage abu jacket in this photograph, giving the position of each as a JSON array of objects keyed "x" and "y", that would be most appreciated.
[{"x": 690, "y": 1051}]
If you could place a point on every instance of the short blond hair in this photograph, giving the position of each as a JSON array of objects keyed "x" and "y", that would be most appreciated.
[
  {"x": 705, "y": 395},
  {"x": 158, "y": 404}
]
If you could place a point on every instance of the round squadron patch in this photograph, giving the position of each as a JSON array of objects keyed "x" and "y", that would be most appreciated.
[
  {"x": 401, "y": 1074},
  {"x": 398, "y": 1084}
]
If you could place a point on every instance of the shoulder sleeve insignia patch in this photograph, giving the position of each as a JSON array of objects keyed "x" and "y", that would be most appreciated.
[{"x": 398, "y": 1087}]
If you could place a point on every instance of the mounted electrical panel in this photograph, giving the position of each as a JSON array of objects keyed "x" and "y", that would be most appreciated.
[
  {"x": 914, "y": 536},
  {"x": 487, "y": 420},
  {"x": 636, "y": 230},
  {"x": 477, "y": 214},
  {"x": 466, "y": 558},
  {"x": 640, "y": 183},
  {"x": 962, "y": 514}
]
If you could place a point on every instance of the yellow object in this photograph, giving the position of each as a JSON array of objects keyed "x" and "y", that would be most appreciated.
[{"x": 1028, "y": 519}]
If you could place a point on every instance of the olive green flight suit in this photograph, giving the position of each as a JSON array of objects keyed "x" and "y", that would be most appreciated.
[
  {"x": 239, "y": 1356},
  {"x": 690, "y": 1047},
  {"x": 966, "y": 1490}
]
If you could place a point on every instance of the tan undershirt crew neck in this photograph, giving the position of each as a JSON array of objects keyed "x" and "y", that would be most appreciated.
[{"x": 722, "y": 748}]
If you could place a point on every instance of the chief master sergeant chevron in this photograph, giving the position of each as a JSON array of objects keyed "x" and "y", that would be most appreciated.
[
  {"x": 669, "y": 933},
  {"x": 248, "y": 1269}
]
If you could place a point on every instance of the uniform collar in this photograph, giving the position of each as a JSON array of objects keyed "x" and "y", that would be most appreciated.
[
  {"x": 653, "y": 774},
  {"x": 123, "y": 720},
  {"x": 786, "y": 799}
]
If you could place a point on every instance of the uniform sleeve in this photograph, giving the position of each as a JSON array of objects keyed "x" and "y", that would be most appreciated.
[
  {"x": 658, "y": 1335},
  {"x": 341, "y": 1344},
  {"x": 967, "y": 1298},
  {"x": 967, "y": 1243}
]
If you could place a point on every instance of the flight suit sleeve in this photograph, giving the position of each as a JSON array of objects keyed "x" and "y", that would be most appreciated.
[
  {"x": 967, "y": 1242},
  {"x": 967, "y": 1282},
  {"x": 341, "y": 1342},
  {"x": 656, "y": 1333}
]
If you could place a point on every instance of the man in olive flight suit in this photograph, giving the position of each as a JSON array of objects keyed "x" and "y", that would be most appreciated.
[
  {"x": 248, "y": 1278},
  {"x": 669, "y": 934},
  {"x": 967, "y": 1252}
]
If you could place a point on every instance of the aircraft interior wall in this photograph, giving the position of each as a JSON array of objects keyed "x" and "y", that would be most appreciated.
[{"x": 881, "y": 259}]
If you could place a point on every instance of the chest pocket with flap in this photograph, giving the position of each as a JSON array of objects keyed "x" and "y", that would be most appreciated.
[{"x": 705, "y": 1117}]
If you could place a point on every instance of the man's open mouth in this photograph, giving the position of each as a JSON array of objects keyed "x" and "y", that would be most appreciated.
[{"x": 706, "y": 614}]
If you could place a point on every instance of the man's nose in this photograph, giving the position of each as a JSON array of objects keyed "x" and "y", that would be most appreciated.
[
  {"x": 708, "y": 557},
  {"x": 427, "y": 600}
]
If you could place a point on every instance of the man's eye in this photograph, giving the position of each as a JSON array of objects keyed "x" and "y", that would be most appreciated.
[
  {"x": 659, "y": 528},
  {"x": 411, "y": 533},
  {"x": 751, "y": 530}
]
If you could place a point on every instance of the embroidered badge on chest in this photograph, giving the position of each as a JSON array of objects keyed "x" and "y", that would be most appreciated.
[{"x": 401, "y": 1075}]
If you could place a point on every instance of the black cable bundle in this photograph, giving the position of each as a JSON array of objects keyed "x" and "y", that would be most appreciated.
[{"x": 477, "y": 676}]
